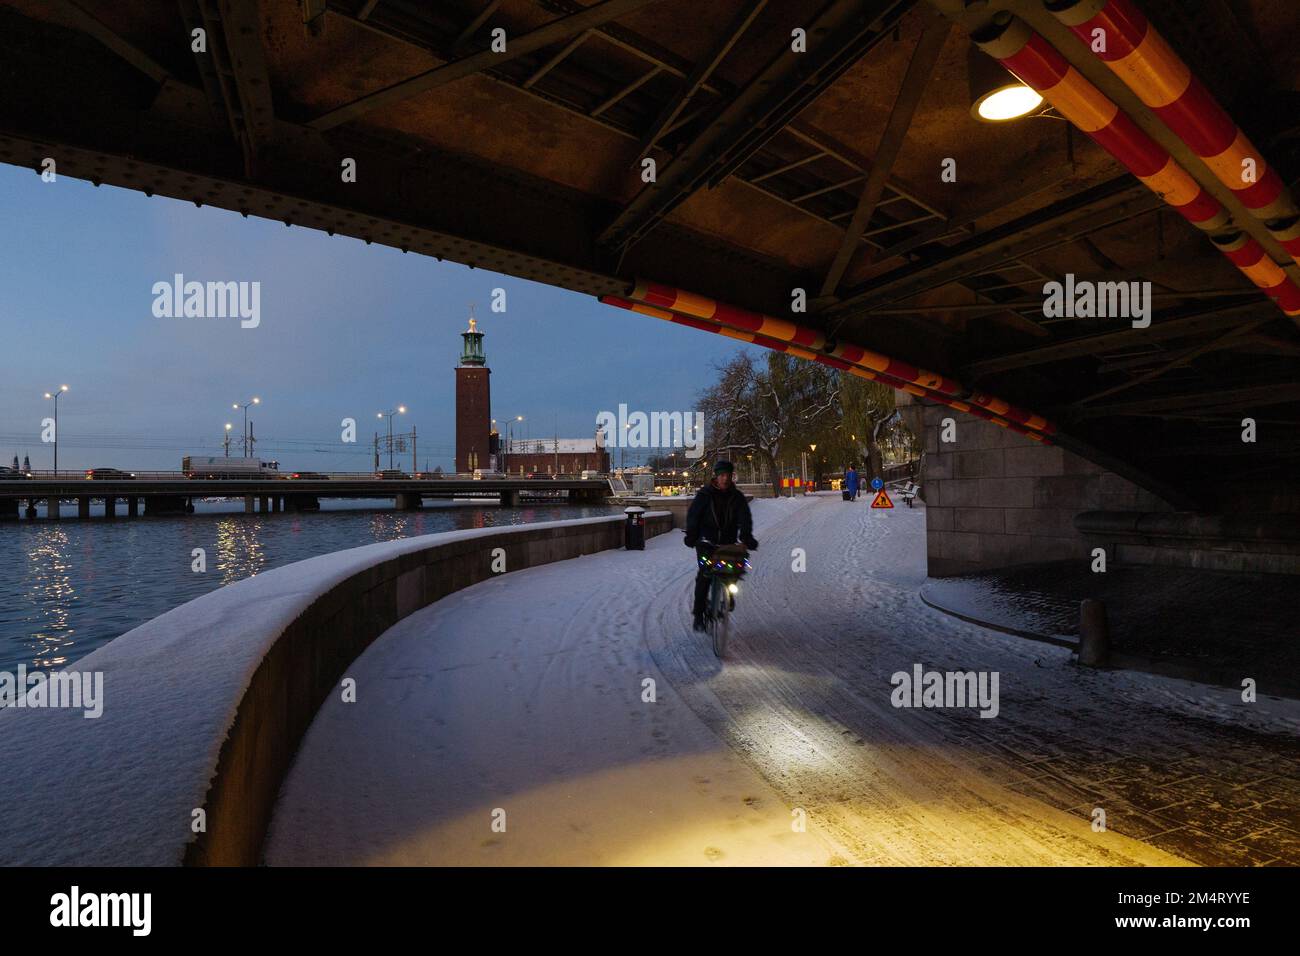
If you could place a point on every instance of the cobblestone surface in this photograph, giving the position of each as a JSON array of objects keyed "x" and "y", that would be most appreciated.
[{"x": 1216, "y": 626}]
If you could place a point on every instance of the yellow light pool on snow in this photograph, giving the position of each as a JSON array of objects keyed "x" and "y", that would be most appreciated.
[{"x": 1007, "y": 103}]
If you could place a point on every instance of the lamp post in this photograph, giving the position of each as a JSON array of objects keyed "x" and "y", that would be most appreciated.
[
  {"x": 227, "y": 442},
  {"x": 505, "y": 453},
  {"x": 255, "y": 401},
  {"x": 55, "y": 395},
  {"x": 399, "y": 410}
]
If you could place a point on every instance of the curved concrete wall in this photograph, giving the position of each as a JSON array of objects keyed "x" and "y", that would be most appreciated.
[{"x": 204, "y": 706}]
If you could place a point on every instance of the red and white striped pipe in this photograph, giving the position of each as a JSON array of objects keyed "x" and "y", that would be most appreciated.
[
  {"x": 1038, "y": 64},
  {"x": 1118, "y": 34},
  {"x": 708, "y": 315}
]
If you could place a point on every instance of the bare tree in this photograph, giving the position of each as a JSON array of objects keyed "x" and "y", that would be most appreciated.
[{"x": 768, "y": 410}]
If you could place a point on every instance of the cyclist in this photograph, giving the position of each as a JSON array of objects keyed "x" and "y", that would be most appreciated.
[{"x": 719, "y": 514}]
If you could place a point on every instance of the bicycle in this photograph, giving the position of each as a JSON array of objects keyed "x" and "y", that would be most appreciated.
[{"x": 725, "y": 565}]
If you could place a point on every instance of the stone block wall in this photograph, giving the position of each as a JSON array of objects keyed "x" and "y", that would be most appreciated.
[{"x": 995, "y": 498}]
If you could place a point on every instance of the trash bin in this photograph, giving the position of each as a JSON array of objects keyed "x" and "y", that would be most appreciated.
[{"x": 634, "y": 529}]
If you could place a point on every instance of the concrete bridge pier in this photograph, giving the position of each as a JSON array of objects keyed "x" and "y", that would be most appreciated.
[
  {"x": 83, "y": 506},
  {"x": 408, "y": 501},
  {"x": 164, "y": 505},
  {"x": 31, "y": 508},
  {"x": 110, "y": 506},
  {"x": 132, "y": 506},
  {"x": 277, "y": 503},
  {"x": 249, "y": 507},
  {"x": 510, "y": 499},
  {"x": 52, "y": 507},
  {"x": 264, "y": 504}
]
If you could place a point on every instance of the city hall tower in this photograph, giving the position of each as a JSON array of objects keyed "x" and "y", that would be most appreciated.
[{"x": 473, "y": 403}]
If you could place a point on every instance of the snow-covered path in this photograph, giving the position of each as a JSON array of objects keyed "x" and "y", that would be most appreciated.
[{"x": 525, "y": 694}]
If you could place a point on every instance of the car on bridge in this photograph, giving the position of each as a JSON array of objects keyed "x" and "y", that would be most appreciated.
[
  {"x": 388, "y": 473},
  {"x": 307, "y": 476},
  {"x": 108, "y": 474},
  {"x": 12, "y": 474}
]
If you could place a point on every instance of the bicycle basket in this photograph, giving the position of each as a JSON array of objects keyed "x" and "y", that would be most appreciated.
[{"x": 726, "y": 560}]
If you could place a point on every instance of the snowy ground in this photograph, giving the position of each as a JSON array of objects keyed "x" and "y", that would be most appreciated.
[{"x": 525, "y": 695}]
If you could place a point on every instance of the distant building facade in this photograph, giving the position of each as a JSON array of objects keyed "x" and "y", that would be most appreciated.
[{"x": 555, "y": 456}]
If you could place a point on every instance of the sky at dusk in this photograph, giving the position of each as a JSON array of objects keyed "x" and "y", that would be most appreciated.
[{"x": 346, "y": 330}]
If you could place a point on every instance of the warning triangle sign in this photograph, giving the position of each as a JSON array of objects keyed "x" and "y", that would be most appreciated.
[{"x": 882, "y": 500}]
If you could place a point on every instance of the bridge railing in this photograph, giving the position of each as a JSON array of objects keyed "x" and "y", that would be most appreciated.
[{"x": 80, "y": 474}]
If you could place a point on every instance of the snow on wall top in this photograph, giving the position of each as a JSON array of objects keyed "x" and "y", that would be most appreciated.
[{"x": 121, "y": 789}]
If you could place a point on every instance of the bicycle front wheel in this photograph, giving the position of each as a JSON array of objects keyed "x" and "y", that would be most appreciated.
[{"x": 720, "y": 626}]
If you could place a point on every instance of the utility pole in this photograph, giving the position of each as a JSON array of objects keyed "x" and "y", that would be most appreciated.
[
  {"x": 376, "y": 451},
  {"x": 252, "y": 442},
  {"x": 415, "y": 465}
]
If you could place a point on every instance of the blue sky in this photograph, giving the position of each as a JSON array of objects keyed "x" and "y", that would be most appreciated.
[{"x": 346, "y": 330}]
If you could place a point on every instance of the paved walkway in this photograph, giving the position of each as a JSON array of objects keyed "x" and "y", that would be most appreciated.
[{"x": 525, "y": 695}]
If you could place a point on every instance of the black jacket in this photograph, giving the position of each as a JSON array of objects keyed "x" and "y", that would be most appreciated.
[{"x": 719, "y": 516}]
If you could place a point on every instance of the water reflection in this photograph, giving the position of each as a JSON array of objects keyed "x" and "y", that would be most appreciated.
[
  {"x": 75, "y": 585},
  {"x": 48, "y": 581},
  {"x": 240, "y": 552}
]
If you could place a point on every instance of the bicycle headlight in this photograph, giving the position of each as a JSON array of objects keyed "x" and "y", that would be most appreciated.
[{"x": 733, "y": 588}]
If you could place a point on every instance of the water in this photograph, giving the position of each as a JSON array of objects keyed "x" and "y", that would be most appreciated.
[{"x": 70, "y": 586}]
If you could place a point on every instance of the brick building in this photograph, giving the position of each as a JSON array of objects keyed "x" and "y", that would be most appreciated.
[
  {"x": 555, "y": 456},
  {"x": 480, "y": 447},
  {"x": 473, "y": 404}
]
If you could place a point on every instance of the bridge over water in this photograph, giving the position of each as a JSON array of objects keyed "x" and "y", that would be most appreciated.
[{"x": 174, "y": 494}]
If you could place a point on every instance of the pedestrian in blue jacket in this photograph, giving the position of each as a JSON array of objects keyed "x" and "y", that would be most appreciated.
[{"x": 851, "y": 483}]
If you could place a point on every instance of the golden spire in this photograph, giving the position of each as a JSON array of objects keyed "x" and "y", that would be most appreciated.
[{"x": 472, "y": 324}]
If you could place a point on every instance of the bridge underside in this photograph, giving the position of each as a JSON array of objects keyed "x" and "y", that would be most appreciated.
[{"x": 775, "y": 171}]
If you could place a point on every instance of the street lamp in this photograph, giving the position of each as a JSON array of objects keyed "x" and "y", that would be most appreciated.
[
  {"x": 236, "y": 405},
  {"x": 55, "y": 395},
  {"x": 399, "y": 410},
  {"x": 509, "y": 432},
  {"x": 227, "y": 438}
]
